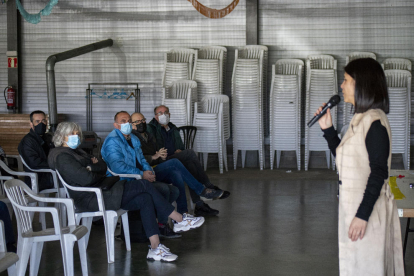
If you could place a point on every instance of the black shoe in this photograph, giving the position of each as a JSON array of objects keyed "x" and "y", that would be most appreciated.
[
  {"x": 211, "y": 194},
  {"x": 167, "y": 233},
  {"x": 225, "y": 195},
  {"x": 205, "y": 210}
]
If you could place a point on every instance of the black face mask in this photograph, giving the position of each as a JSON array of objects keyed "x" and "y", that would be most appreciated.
[
  {"x": 142, "y": 127},
  {"x": 40, "y": 129}
]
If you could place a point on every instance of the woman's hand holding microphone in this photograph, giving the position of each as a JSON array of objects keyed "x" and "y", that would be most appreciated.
[{"x": 326, "y": 120}]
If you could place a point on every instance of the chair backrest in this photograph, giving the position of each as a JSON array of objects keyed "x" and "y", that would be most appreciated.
[
  {"x": 55, "y": 181},
  {"x": 397, "y": 63},
  {"x": 357, "y": 55},
  {"x": 188, "y": 134},
  {"x": 16, "y": 192},
  {"x": 398, "y": 78},
  {"x": 320, "y": 62}
]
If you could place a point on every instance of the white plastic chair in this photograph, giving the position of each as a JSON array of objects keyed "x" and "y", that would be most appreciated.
[
  {"x": 180, "y": 97},
  {"x": 399, "y": 92},
  {"x": 30, "y": 243},
  {"x": 110, "y": 218},
  {"x": 249, "y": 101},
  {"x": 397, "y": 63},
  {"x": 210, "y": 133},
  {"x": 210, "y": 72},
  {"x": 8, "y": 260},
  {"x": 285, "y": 106},
  {"x": 33, "y": 178},
  {"x": 60, "y": 192},
  {"x": 321, "y": 84}
]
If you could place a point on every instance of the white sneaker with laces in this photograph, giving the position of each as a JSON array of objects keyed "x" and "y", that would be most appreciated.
[
  {"x": 161, "y": 253},
  {"x": 189, "y": 222}
]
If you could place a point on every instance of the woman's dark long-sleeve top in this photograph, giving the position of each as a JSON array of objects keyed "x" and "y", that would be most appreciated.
[
  {"x": 378, "y": 147},
  {"x": 72, "y": 166}
]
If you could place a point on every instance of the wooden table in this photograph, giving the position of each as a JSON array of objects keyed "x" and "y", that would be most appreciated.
[{"x": 406, "y": 205}]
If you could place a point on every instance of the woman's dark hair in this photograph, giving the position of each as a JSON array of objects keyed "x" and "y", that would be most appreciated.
[{"x": 370, "y": 85}]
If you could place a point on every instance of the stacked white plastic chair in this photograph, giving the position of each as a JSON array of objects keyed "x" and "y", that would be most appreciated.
[
  {"x": 179, "y": 66},
  {"x": 180, "y": 101},
  {"x": 248, "y": 94},
  {"x": 285, "y": 107},
  {"x": 399, "y": 92},
  {"x": 211, "y": 124},
  {"x": 321, "y": 85},
  {"x": 347, "y": 115},
  {"x": 397, "y": 63},
  {"x": 210, "y": 70}
]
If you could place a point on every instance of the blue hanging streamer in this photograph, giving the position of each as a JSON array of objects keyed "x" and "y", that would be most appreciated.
[{"x": 35, "y": 18}]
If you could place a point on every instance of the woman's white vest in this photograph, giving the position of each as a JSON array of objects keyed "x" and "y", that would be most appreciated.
[{"x": 380, "y": 251}]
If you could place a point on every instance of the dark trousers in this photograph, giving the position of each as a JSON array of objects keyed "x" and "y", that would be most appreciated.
[
  {"x": 173, "y": 171},
  {"x": 169, "y": 192},
  {"x": 193, "y": 165},
  {"x": 8, "y": 228},
  {"x": 142, "y": 195}
]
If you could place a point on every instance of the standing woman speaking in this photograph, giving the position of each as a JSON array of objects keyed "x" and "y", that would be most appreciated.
[{"x": 369, "y": 232}]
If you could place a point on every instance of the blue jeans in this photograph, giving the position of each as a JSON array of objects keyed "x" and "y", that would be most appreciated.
[
  {"x": 173, "y": 171},
  {"x": 142, "y": 195}
]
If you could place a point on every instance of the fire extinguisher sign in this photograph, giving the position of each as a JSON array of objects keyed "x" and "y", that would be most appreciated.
[{"x": 12, "y": 62}]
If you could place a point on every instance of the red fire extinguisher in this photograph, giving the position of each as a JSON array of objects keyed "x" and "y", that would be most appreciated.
[{"x": 11, "y": 97}]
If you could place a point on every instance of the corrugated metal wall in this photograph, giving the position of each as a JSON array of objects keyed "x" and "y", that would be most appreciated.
[
  {"x": 3, "y": 49},
  {"x": 142, "y": 31},
  {"x": 296, "y": 29}
]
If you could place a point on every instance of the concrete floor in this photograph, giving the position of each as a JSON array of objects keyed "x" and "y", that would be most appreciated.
[{"x": 274, "y": 223}]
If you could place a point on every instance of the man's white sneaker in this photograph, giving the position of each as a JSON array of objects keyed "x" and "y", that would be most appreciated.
[
  {"x": 188, "y": 222},
  {"x": 161, "y": 253}
]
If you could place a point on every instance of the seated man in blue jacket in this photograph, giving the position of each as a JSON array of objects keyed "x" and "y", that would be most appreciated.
[{"x": 123, "y": 155}]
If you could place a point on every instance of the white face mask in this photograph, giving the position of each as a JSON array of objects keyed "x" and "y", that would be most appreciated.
[{"x": 164, "y": 119}]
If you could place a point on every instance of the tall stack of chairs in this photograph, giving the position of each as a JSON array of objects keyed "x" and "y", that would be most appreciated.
[
  {"x": 248, "y": 91},
  {"x": 285, "y": 107},
  {"x": 321, "y": 84}
]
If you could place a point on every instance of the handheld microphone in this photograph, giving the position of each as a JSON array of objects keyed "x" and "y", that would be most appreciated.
[{"x": 333, "y": 101}]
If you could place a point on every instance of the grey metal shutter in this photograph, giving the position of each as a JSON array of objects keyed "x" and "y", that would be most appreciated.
[{"x": 142, "y": 31}]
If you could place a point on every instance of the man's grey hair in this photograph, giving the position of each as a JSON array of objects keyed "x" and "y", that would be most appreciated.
[
  {"x": 65, "y": 129},
  {"x": 155, "y": 109}
]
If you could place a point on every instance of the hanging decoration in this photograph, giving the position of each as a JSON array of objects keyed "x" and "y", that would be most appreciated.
[
  {"x": 35, "y": 18},
  {"x": 213, "y": 13}
]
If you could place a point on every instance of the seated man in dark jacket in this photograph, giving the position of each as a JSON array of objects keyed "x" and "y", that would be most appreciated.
[
  {"x": 167, "y": 136},
  {"x": 80, "y": 169},
  {"x": 35, "y": 147}
]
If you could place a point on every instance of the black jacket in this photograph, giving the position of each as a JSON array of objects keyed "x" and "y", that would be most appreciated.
[
  {"x": 149, "y": 147},
  {"x": 72, "y": 164},
  {"x": 34, "y": 150}
]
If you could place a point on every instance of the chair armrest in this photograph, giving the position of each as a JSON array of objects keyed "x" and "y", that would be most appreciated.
[
  {"x": 95, "y": 190},
  {"x": 3, "y": 247},
  {"x": 33, "y": 176},
  {"x": 68, "y": 202},
  {"x": 136, "y": 176},
  {"x": 52, "y": 210}
]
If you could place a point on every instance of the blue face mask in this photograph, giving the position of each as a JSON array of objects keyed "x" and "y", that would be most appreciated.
[
  {"x": 73, "y": 141},
  {"x": 126, "y": 128}
]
